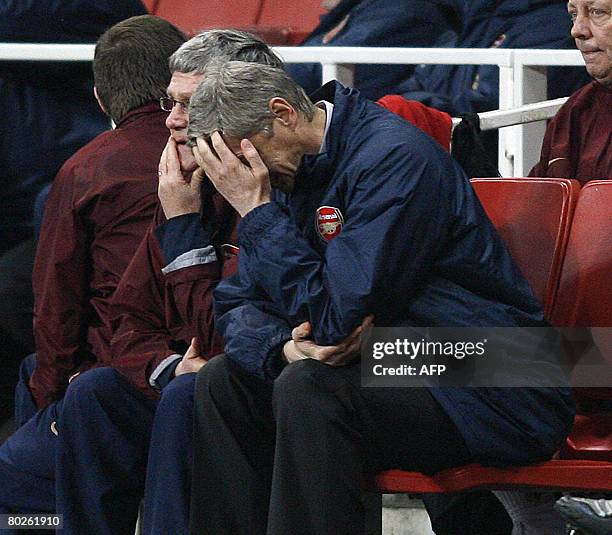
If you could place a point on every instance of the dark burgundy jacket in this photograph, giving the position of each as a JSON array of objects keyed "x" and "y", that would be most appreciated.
[
  {"x": 101, "y": 203},
  {"x": 155, "y": 315},
  {"x": 578, "y": 140}
]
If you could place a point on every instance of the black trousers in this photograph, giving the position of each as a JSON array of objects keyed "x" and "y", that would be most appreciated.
[{"x": 290, "y": 458}]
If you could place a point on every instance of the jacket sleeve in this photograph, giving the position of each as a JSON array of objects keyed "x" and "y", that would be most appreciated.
[
  {"x": 483, "y": 95},
  {"x": 60, "y": 284},
  {"x": 252, "y": 326},
  {"x": 143, "y": 319},
  {"x": 59, "y": 20},
  {"x": 193, "y": 268},
  {"x": 394, "y": 227},
  {"x": 540, "y": 169},
  {"x": 475, "y": 89},
  {"x": 166, "y": 290},
  {"x": 402, "y": 23}
]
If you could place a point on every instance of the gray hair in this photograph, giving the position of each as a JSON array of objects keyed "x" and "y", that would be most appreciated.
[
  {"x": 234, "y": 98},
  {"x": 221, "y": 45}
]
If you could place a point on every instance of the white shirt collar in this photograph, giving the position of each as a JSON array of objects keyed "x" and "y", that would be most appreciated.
[{"x": 329, "y": 110}]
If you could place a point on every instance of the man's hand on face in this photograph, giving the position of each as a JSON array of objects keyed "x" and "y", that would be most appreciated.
[
  {"x": 244, "y": 186},
  {"x": 301, "y": 347},
  {"x": 192, "y": 361},
  {"x": 177, "y": 195}
]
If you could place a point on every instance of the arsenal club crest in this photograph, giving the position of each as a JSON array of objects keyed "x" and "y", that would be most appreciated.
[{"x": 329, "y": 222}]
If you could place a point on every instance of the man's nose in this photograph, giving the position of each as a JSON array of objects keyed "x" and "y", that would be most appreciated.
[
  {"x": 177, "y": 118},
  {"x": 581, "y": 28}
]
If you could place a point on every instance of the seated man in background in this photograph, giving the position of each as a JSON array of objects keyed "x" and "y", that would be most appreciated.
[
  {"x": 374, "y": 218},
  {"x": 33, "y": 95},
  {"x": 99, "y": 208},
  {"x": 159, "y": 306},
  {"x": 405, "y": 23},
  {"x": 502, "y": 24},
  {"x": 578, "y": 140},
  {"x": 578, "y": 144}
]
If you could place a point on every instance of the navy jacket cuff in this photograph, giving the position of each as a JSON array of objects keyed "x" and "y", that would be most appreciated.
[
  {"x": 258, "y": 221},
  {"x": 182, "y": 234}
]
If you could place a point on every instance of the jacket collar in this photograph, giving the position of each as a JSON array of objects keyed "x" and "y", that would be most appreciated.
[
  {"x": 136, "y": 113},
  {"x": 320, "y": 167}
]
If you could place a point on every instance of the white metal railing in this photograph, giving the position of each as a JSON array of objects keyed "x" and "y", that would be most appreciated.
[
  {"x": 45, "y": 52},
  {"x": 529, "y": 113},
  {"x": 529, "y": 85},
  {"x": 522, "y": 78}
]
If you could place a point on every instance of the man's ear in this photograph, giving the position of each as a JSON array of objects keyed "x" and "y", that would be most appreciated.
[
  {"x": 99, "y": 100},
  {"x": 284, "y": 112}
]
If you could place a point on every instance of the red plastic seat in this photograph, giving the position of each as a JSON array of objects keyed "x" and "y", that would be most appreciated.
[
  {"x": 533, "y": 216},
  {"x": 298, "y": 18},
  {"x": 277, "y": 22},
  {"x": 591, "y": 438},
  {"x": 563, "y": 475},
  {"x": 583, "y": 299},
  {"x": 585, "y": 292},
  {"x": 195, "y": 15}
]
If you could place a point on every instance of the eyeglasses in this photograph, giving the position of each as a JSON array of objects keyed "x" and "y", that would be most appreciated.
[{"x": 167, "y": 104}]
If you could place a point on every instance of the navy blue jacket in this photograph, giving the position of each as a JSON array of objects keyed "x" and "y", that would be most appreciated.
[
  {"x": 384, "y": 222},
  {"x": 48, "y": 109},
  {"x": 402, "y": 23},
  {"x": 62, "y": 21},
  {"x": 491, "y": 24}
]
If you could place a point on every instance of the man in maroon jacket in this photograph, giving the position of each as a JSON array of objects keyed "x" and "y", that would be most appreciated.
[
  {"x": 99, "y": 208},
  {"x": 577, "y": 140},
  {"x": 158, "y": 308},
  {"x": 576, "y": 145}
]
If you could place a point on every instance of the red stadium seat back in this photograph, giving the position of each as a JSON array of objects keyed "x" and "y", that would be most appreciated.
[
  {"x": 195, "y": 15},
  {"x": 299, "y": 17},
  {"x": 585, "y": 290},
  {"x": 533, "y": 216},
  {"x": 151, "y": 5}
]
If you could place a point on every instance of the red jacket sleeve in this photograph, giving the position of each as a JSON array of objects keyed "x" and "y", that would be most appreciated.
[
  {"x": 435, "y": 123},
  {"x": 192, "y": 287},
  {"x": 540, "y": 169},
  {"x": 60, "y": 283},
  {"x": 153, "y": 311},
  {"x": 145, "y": 323}
]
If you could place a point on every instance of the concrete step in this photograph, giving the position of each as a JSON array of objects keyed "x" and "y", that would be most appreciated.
[{"x": 403, "y": 515}]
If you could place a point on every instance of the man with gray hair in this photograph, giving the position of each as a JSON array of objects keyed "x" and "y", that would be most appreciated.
[
  {"x": 348, "y": 213},
  {"x": 98, "y": 210},
  {"x": 161, "y": 305}
]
